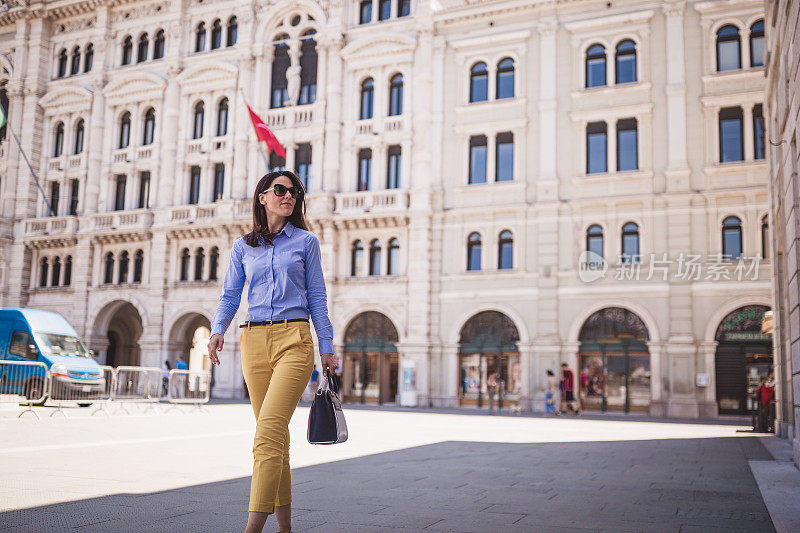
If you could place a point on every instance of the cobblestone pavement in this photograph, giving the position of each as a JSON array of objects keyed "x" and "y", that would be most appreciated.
[{"x": 411, "y": 471}]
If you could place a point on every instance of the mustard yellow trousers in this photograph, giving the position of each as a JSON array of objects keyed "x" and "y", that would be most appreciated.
[{"x": 277, "y": 361}]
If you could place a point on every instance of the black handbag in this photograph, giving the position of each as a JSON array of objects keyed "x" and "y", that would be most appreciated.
[{"x": 326, "y": 424}]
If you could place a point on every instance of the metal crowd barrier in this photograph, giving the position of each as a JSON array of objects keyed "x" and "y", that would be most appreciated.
[
  {"x": 110, "y": 381},
  {"x": 83, "y": 386},
  {"x": 137, "y": 384},
  {"x": 26, "y": 381},
  {"x": 189, "y": 387}
]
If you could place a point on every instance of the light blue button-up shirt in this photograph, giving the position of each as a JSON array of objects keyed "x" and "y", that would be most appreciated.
[{"x": 284, "y": 281}]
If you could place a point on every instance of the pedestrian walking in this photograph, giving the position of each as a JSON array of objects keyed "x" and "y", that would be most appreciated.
[
  {"x": 180, "y": 378},
  {"x": 767, "y": 404},
  {"x": 549, "y": 394},
  {"x": 567, "y": 387},
  {"x": 165, "y": 368},
  {"x": 280, "y": 260},
  {"x": 491, "y": 388}
]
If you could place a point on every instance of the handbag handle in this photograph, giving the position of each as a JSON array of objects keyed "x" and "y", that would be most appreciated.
[{"x": 329, "y": 381}]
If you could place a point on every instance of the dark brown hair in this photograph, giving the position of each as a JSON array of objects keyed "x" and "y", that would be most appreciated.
[{"x": 260, "y": 226}]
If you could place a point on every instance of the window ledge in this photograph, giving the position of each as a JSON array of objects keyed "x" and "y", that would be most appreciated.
[
  {"x": 107, "y": 286},
  {"x": 495, "y": 185},
  {"x": 60, "y": 288},
  {"x": 747, "y": 72},
  {"x": 605, "y": 176},
  {"x": 384, "y": 278},
  {"x": 200, "y": 283},
  {"x": 608, "y": 90},
  {"x": 511, "y": 102},
  {"x": 720, "y": 168}
]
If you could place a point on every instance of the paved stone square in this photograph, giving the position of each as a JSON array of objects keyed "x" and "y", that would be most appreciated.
[{"x": 400, "y": 470}]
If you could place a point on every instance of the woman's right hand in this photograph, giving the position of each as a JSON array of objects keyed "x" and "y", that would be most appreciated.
[{"x": 214, "y": 345}]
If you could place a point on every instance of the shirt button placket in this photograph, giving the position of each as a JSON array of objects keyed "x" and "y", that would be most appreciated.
[{"x": 271, "y": 273}]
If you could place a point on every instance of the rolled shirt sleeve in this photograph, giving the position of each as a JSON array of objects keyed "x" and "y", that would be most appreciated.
[
  {"x": 317, "y": 296},
  {"x": 231, "y": 295}
]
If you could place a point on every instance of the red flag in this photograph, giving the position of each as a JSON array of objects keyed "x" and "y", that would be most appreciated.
[{"x": 263, "y": 133}]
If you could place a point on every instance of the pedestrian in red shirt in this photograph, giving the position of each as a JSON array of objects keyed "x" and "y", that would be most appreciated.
[{"x": 567, "y": 386}]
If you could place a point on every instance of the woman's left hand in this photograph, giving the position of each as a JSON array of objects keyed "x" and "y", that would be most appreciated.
[{"x": 329, "y": 363}]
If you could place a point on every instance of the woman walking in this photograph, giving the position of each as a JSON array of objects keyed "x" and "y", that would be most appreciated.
[{"x": 280, "y": 259}]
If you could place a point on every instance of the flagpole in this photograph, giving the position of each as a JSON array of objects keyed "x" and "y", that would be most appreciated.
[
  {"x": 260, "y": 150},
  {"x": 33, "y": 173}
]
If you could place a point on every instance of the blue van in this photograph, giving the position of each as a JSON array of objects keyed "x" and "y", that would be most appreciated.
[{"x": 34, "y": 335}]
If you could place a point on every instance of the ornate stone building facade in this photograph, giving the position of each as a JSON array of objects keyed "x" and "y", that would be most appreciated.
[
  {"x": 783, "y": 121},
  {"x": 462, "y": 158}
]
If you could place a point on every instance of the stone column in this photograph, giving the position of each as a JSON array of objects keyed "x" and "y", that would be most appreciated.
[
  {"x": 527, "y": 378},
  {"x": 681, "y": 353},
  {"x": 169, "y": 141},
  {"x": 13, "y": 158},
  {"x": 748, "y": 143},
  {"x": 658, "y": 405},
  {"x": 677, "y": 172},
  {"x": 449, "y": 378},
  {"x": 707, "y": 356},
  {"x": 331, "y": 180},
  {"x": 547, "y": 184},
  {"x": 239, "y": 172}
]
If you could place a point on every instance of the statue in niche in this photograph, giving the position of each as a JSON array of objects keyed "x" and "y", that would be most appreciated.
[{"x": 293, "y": 83}]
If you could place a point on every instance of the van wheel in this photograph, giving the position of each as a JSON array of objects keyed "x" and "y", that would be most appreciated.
[
  {"x": 83, "y": 404},
  {"x": 33, "y": 389}
]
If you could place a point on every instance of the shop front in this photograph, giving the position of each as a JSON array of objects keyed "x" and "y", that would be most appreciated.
[{"x": 371, "y": 361}]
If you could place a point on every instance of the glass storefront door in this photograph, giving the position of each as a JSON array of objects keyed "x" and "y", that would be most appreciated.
[
  {"x": 618, "y": 381},
  {"x": 476, "y": 369}
]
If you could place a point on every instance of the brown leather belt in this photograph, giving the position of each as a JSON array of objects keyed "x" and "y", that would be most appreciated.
[{"x": 251, "y": 323}]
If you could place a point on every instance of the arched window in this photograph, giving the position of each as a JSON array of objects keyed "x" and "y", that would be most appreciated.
[
  {"x": 280, "y": 62},
  {"x": 594, "y": 240},
  {"x": 127, "y": 50},
  {"x": 729, "y": 53},
  {"x": 596, "y": 66},
  {"x": 56, "y": 279},
  {"x": 125, "y": 130},
  {"x": 68, "y": 271},
  {"x": 124, "y": 263},
  {"x": 757, "y": 44},
  {"x": 62, "y": 63},
  {"x": 199, "y": 259},
  {"x": 214, "y": 264},
  {"x": 88, "y": 57},
  {"x": 375, "y": 258},
  {"x": 75, "y": 66},
  {"x": 505, "y": 78},
  {"x": 308, "y": 69},
  {"x": 149, "y": 126},
  {"x": 505, "y": 251},
  {"x": 367, "y": 90},
  {"x": 58, "y": 140},
  {"x": 222, "y": 117},
  {"x": 393, "y": 266},
  {"x": 138, "y": 265},
  {"x": 478, "y": 83},
  {"x": 185, "y": 259},
  {"x": 356, "y": 253},
  {"x": 216, "y": 34},
  {"x": 109, "y": 273},
  {"x": 396, "y": 95},
  {"x": 765, "y": 244},
  {"x": 199, "y": 116},
  {"x": 141, "y": 52},
  {"x": 200, "y": 37},
  {"x": 630, "y": 243},
  {"x": 732, "y": 238},
  {"x": 626, "y": 62},
  {"x": 158, "y": 45},
  {"x": 78, "y": 146},
  {"x": 474, "y": 251},
  {"x": 233, "y": 30},
  {"x": 43, "y": 271}
]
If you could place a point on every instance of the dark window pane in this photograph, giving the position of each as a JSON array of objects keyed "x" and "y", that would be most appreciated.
[
  {"x": 627, "y": 145},
  {"x": 758, "y": 131},
  {"x": 477, "y": 164},
  {"x": 365, "y": 12},
  {"x": 730, "y": 135},
  {"x": 393, "y": 171},
  {"x": 596, "y": 148},
  {"x": 119, "y": 196},
  {"x": 384, "y": 9},
  {"x": 479, "y": 83},
  {"x": 474, "y": 257},
  {"x": 505, "y": 79},
  {"x": 505, "y": 157}
]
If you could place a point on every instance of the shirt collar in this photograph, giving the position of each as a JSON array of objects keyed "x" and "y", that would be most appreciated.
[{"x": 288, "y": 229}]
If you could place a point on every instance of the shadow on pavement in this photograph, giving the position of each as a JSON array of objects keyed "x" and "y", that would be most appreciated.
[{"x": 656, "y": 485}]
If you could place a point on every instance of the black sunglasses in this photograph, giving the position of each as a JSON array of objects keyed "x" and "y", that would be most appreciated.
[{"x": 280, "y": 190}]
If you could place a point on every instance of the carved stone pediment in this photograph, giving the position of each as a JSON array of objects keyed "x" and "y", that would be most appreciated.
[
  {"x": 205, "y": 75},
  {"x": 135, "y": 86},
  {"x": 66, "y": 100},
  {"x": 385, "y": 48}
]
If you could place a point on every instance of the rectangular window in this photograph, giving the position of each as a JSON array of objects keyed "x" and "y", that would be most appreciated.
[
  {"x": 627, "y": 145},
  {"x": 364, "y": 168},
  {"x": 477, "y": 159},
  {"x": 365, "y": 15},
  {"x": 219, "y": 181},
  {"x": 384, "y": 9},
  {"x": 119, "y": 193},
  {"x": 302, "y": 161},
  {"x": 730, "y": 135},
  {"x": 403, "y": 8},
  {"x": 55, "y": 190},
  {"x": 194, "y": 185},
  {"x": 393, "y": 170},
  {"x": 505, "y": 157},
  {"x": 73, "y": 197},
  {"x": 144, "y": 190},
  {"x": 758, "y": 130},
  {"x": 276, "y": 162},
  {"x": 596, "y": 148}
]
